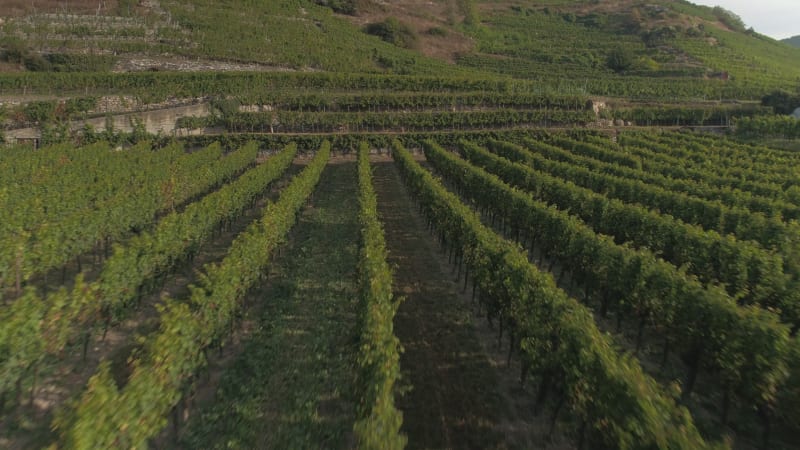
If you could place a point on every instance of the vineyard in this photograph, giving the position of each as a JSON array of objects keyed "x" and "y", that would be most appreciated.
[
  {"x": 386, "y": 225},
  {"x": 423, "y": 290}
]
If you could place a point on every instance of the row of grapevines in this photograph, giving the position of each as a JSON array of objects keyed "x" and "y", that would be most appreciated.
[
  {"x": 586, "y": 149},
  {"x": 654, "y": 161},
  {"x": 53, "y": 244},
  {"x": 56, "y": 173},
  {"x": 179, "y": 236},
  {"x": 47, "y": 185},
  {"x": 726, "y": 145},
  {"x": 771, "y": 232},
  {"x": 383, "y": 101},
  {"x": 199, "y": 84},
  {"x": 744, "y": 347},
  {"x": 723, "y": 153},
  {"x": 378, "y": 426},
  {"x": 617, "y": 404},
  {"x": 63, "y": 184},
  {"x": 108, "y": 417},
  {"x": 729, "y": 197},
  {"x": 47, "y": 325},
  {"x": 657, "y": 162},
  {"x": 399, "y": 121},
  {"x": 666, "y": 151},
  {"x": 749, "y": 272}
]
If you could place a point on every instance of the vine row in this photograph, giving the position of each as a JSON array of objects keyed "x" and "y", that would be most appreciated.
[
  {"x": 109, "y": 417},
  {"x": 617, "y": 405}
]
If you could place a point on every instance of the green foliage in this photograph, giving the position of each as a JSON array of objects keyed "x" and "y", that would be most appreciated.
[
  {"x": 470, "y": 11},
  {"x": 782, "y": 102},
  {"x": 770, "y": 231},
  {"x": 13, "y": 49},
  {"x": 36, "y": 63},
  {"x": 398, "y": 121},
  {"x": 74, "y": 314},
  {"x": 77, "y": 105},
  {"x": 379, "y": 421},
  {"x": 784, "y": 127},
  {"x": 53, "y": 134},
  {"x": 279, "y": 34},
  {"x": 636, "y": 282},
  {"x": 759, "y": 63},
  {"x": 682, "y": 115},
  {"x": 760, "y": 279},
  {"x": 226, "y": 106},
  {"x": 394, "y": 32},
  {"x": 620, "y": 59},
  {"x": 70, "y": 213},
  {"x": 67, "y": 62},
  {"x": 729, "y": 18},
  {"x": 659, "y": 36},
  {"x": 17, "y": 51},
  {"x": 40, "y": 111},
  {"x": 567, "y": 49},
  {"x": 131, "y": 416},
  {"x": 558, "y": 340},
  {"x": 557, "y": 45}
]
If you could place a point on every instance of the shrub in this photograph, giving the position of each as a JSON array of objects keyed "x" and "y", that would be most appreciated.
[
  {"x": 620, "y": 59},
  {"x": 394, "y": 32}
]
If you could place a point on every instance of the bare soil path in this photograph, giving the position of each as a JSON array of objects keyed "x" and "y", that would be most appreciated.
[{"x": 462, "y": 394}]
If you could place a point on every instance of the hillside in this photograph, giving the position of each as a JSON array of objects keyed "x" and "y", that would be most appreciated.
[
  {"x": 383, "y": 224},
  {"x": 629, "y": 48},
  {"x": 794, "y": 40}
]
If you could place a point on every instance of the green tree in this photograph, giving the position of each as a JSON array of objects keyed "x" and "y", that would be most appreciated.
[
  {"x": 394, "y": 32},
  {"x": 620, "y": 59}
]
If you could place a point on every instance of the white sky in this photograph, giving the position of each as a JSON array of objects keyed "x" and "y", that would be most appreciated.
[{"x": 775, "y": 18}]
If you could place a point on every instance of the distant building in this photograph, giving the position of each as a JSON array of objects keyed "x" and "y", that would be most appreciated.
[{"x": 796, "y": 113}]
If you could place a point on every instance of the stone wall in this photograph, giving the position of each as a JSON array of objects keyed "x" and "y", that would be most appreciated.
[{"x": 157, "y": 121}]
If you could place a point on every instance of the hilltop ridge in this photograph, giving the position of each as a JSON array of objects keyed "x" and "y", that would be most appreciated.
[{"x": 794, "y": 40}]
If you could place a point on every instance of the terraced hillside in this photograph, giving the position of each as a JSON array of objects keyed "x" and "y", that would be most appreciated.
[
  {"x": 448, "y": 224},
  {"x": 630, "y": 48}
]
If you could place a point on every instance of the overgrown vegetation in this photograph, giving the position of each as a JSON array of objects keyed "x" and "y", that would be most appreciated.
[
  {"x": 730, "y": 19},
  {"x": 349, "y": 7},
  {"x": 782, "y": 102},
  {"x": 394, "y": 32}
]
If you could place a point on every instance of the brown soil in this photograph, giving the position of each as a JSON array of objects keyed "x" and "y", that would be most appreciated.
[
  {"x": 462, "y": 394},
  {"x": 421, "y": 16},
  {"x": 12, "y": 8}
]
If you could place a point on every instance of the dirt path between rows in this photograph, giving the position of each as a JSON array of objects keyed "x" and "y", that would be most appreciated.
[{"x": 462, "y": 394}]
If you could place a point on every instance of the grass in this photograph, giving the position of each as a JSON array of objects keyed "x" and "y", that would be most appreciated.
[{"x": 292, "y": 385}]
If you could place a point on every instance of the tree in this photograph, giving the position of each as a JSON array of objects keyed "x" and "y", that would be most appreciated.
[
  {"x": 394, "y": 32},
  {"x": 782, "y": 102},
  {"x": 620, "y": 59},
  {"x": 729, "y": 19}
]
